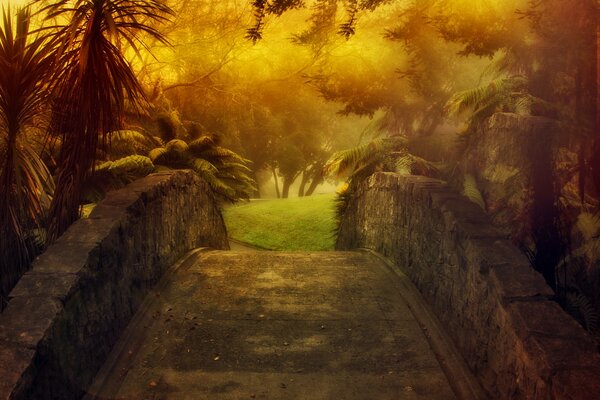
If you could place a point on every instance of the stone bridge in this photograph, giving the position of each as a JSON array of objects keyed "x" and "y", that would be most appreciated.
[{"x": 132, "y": 303}]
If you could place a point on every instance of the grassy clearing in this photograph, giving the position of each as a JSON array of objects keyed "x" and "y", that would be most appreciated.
[{"x": 305, "y": 223}]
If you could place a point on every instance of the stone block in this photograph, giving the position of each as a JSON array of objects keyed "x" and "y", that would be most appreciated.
[
  {"x": 51, "y": 285},
  {"x": 62, "y": 257},
  {"x": 27, "y": 320},
  {"x": 576, "y": 384},
  {"x": 90, "y": 231},
  {"x": 546, "y": 318},
  {"x": 517, "y": 281},
  {"x": 16, "y": 369},
  {"x": 485, "y": 253},
  {"x": 544, "y": 355}
]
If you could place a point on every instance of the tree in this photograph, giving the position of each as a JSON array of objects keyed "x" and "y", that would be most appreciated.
[
  {"x": 93, "y": 83},
  {"x": 26, "y": 62}
]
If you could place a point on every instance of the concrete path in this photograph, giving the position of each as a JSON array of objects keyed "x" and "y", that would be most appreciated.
[{"x": 271, "y": 325}]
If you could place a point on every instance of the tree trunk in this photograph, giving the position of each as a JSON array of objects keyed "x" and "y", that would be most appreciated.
[
  {"x": 285, "y": 191},
  {"x": 303, "y": 183},
  {"x": 594, "y": 98},
  {"x": 257, "y": 191},
  {"x": 65, "y": 205},
  {"x": 276, "y": 182},
  {"x": 316, "y": 181},
  {"x": 313, "y": 185},
  {"x": 545, "y": 213},
  {"x": 586, "y": 93}
]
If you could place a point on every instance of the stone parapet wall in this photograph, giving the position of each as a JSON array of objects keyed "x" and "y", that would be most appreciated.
[
  {"x": 518, "y": 342},
  {"x": 66, "y": 313}
]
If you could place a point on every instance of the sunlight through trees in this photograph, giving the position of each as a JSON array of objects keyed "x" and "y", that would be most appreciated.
[{"x": 275, "y": 98}]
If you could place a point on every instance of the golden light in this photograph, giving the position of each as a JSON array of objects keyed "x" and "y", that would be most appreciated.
[{"x": 13, "y": 3}]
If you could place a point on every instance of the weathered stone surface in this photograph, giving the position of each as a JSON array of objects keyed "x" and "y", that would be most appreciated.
[
  {"x": 513, "y": 281},
  {"x": 518, "y": 342},
  {"x": 269, "y": 325},
  {"x": 50, "y": 285},
  {"x": 28, "y": 320},
  {"x": 65, "y": 315},
  {"x": 576, "y": 384},
  {"x": 16, "y": 369}
]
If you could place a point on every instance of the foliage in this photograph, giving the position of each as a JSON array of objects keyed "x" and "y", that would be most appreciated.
[
  {"x": 352, "y": 162},
  {"x": 504, "y": 94},
  {"x": 382, "y": 154},
  {"x": 471, "y": 191},
  {"x": 580, "y": 307},
  {"x": 389, "y": 154},
  {"x": 115, "y": 174},
  {"x": 225, "y": 171},
  {"x": 92, "y": 84},
  {"x": 509, "y": 94},
  {"x": 263, "y": 8},
  {"x": 25, "y": 183},
  {"x": 126, "y": 142}
]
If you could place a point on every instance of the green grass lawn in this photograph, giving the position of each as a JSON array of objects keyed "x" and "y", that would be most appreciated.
[{"x": 304, "y": 223}]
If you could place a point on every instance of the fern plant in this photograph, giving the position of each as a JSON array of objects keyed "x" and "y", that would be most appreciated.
[
  {"x": 126, "y": 142},
  {"x": 580, "y": 308},
  {"x": 507, "y": 94},
  {"x": 387, "y": 154},
  {"x": 224, "y": 170},
  {"x": 361, "y": 161},
  {"x": 112, "y": 175},
  {"x": 471, "y": 191}
]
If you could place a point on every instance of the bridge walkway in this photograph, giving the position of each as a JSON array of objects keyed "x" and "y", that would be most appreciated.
[{"x": 272, "y": 325}]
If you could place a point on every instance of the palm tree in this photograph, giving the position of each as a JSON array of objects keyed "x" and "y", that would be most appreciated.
[
  {"x": 93, "y": 83},
  {"x": 25, "y": 62}
]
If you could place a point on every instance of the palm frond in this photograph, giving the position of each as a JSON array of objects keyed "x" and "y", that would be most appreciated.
[
  {"x": 201, "y": 144},
  {"x": 201, "y": 167},
  {"x": 404, "y": 164},
  {"x": 221, "y": 152},
  {"x": 471, "y": 190},
  {"x": 234, "y": 166},
  {"x": 25, "y": 183},
  {"x": 115, "y": 174},
  {"x": 177, "y": 145},
  {"x": 496, "y": 93},
  {"x": 155, "y": 154},
  {"x": 93, "y": 84},
  {"x": 581, "y": 308},
  {"x": 589, "y": 225},
  {"x": 355, "y": 159},
  {"x": 174, "y": 157},
  {"x": 129, "y": 141}
]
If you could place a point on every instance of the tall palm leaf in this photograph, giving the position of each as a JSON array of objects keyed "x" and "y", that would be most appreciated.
[
  {"x": 93, "y": 82},
  {"x": 25, "y": 62}
]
